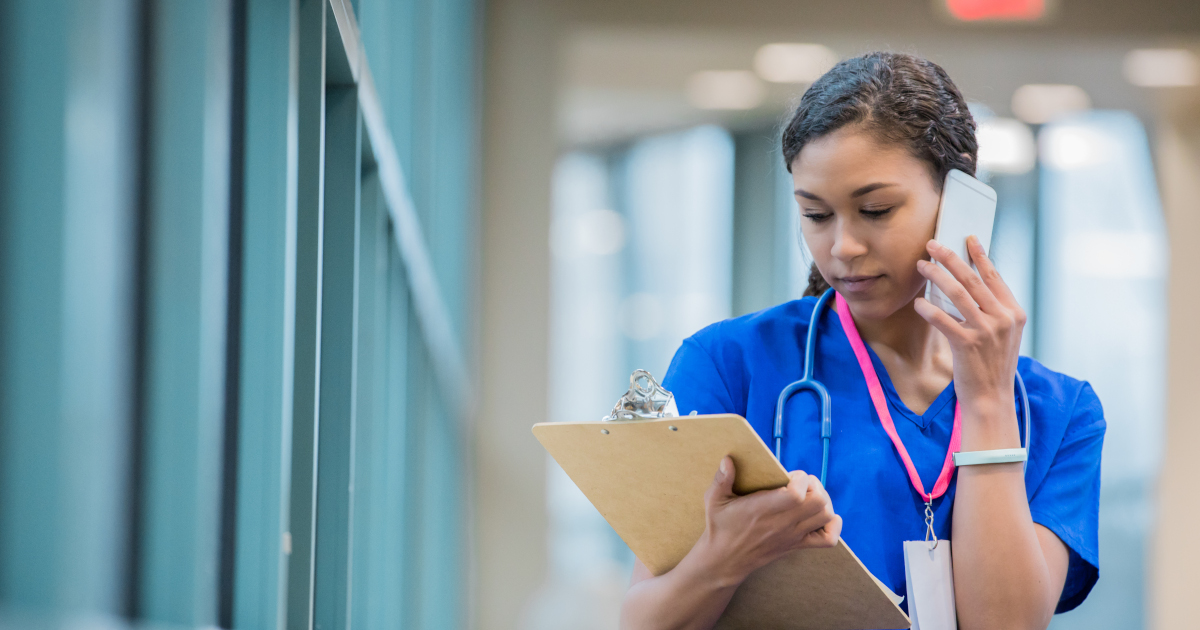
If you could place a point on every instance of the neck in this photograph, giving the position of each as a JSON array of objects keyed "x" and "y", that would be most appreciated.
[
  {"x": 905, "y": 334},
  {"x": 914, "y": 354}
]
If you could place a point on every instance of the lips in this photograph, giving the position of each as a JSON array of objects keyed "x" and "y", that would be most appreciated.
[{"x": 859, "y": 283}]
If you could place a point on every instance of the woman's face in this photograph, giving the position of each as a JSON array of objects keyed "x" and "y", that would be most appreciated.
[{"x": 867, "y": 210}]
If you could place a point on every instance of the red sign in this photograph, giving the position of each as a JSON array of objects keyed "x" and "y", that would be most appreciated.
[{"x": 976, "y": 10}]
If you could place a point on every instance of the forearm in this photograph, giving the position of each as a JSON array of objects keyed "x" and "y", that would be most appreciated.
[
  {"x": 1001, "y": 576},
  {"x": 692, "y": 596}
]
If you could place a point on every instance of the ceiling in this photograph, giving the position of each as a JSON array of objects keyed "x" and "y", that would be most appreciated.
[{"x": 624, "y": 64}]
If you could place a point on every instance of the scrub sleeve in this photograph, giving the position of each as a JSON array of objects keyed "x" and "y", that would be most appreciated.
[{"x": 1067, "y": 501}]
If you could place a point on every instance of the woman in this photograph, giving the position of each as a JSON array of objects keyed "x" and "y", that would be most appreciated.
[{"x": 868, "y": 147}]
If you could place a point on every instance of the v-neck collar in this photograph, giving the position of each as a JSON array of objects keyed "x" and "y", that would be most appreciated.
[
  {"x": 897, "y": 404},
  {"x": 885, "y": 379}
]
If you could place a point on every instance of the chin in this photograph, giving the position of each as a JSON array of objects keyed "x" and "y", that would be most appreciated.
[
  {"x": 864, "y": 307},
  {"x": 878, "y": 302}
]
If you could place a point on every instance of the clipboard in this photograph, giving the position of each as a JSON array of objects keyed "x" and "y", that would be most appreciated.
[{"x": 647, "y": 478}]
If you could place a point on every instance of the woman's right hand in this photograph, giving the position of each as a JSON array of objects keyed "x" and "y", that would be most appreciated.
[
  {"x": 741, "y": 535},
  {"x": 744, "y": 533}
]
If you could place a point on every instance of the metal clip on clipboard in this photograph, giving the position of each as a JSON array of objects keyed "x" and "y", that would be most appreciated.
[{"x": 646, "y": 399}]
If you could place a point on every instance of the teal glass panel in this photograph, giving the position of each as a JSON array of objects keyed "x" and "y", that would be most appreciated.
[
  {"x": 441, "y": 559},
  {"x": 186, "y": 310},
  {"x": 437, "y": 530},
  {"x": 424, "y": 59},
  {"x": 67, "y": 190}
]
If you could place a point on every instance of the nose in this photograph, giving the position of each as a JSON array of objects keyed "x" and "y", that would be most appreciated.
[{"x": 846, "y": 245}]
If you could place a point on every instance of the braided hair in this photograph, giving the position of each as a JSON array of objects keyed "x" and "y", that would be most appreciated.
[{"x": 899, "y": 98}]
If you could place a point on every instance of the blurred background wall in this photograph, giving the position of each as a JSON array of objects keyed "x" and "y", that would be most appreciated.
[{"x": 284, "y": 283}]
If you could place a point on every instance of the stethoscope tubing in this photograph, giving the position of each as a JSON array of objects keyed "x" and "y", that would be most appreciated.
[{"x": 808, "y": 383}]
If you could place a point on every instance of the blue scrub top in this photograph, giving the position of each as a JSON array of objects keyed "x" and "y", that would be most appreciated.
[{"x": 740, "y": 366}]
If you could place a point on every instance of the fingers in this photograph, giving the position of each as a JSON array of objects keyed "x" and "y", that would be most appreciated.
[
  {"x": 821, "y": 513},
  {"x": 823, "y": 517},
  {"x": 818, "y": 497},
  {"x": 938, "y": 318},
  {"x": 970, "y": 289},
  {"x": 793, "y": 501},
  {"x": 833, "y": 531},
  {"x": 799, "y": 483},
  {"x": 983, "y": 299},
  {"x": 989, "y": 273},
  {"x": 952, "y": 289},
  {"x": 785, "y": 499},
  {"x": 721, "y": 490},
  {"x": 960, "y": 270},
  {"x": 817, "y": 507},
  {"x": 827, "y": 536},
  {"x": 822, "y": 527}
]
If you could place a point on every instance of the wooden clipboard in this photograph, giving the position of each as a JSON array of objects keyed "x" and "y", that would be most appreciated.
[{"x": 648, "y": 479}]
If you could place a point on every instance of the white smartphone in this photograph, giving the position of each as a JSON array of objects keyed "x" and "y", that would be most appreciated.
[{"x": 968, "y": 208}]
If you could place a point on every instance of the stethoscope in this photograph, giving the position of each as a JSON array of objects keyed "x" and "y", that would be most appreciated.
[{"x": 807, "y": 382}]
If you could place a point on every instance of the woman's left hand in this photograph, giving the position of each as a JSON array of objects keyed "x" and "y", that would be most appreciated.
[{"x": 987, "y": 342}]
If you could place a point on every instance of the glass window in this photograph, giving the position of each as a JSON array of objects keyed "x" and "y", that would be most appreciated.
[{"x": 642, "y": 257}]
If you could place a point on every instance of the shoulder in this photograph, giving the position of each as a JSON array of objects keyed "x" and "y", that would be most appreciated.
[
  {"x": 713, "y": 369},
  {"x": 1063, "y": 407}
]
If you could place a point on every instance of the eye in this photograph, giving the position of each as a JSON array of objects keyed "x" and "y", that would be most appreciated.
[
  {"x": 875, "y": 213},
  {"x": 816, "y": 216}
]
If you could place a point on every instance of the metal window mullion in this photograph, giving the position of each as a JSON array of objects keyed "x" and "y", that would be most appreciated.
[
  {"x": 339, "y": 329},
  {"x": 310, "y": 203},
  {"x": 370, "y": 456},
  {"x": 399, "y": 471},
  {"x": 268, "y": 314},
  {"x": 310, "y": 226}
]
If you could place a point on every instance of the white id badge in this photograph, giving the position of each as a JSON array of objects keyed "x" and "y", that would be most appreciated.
[{"x": 930, "y": 580}]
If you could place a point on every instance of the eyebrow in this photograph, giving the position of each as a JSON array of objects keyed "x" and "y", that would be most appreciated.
[
  {"x": 857, "y": 193},
  {"x": 869, "y": 188}
]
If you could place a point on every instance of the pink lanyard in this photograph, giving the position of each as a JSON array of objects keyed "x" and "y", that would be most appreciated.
[{"x": 885, "y": 416}]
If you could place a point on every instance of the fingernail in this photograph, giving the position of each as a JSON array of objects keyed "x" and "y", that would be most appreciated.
[{"x": 724, "y": 468}]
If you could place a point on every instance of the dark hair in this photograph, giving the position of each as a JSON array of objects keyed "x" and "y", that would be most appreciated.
[{"x": 902, "y": 99}]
